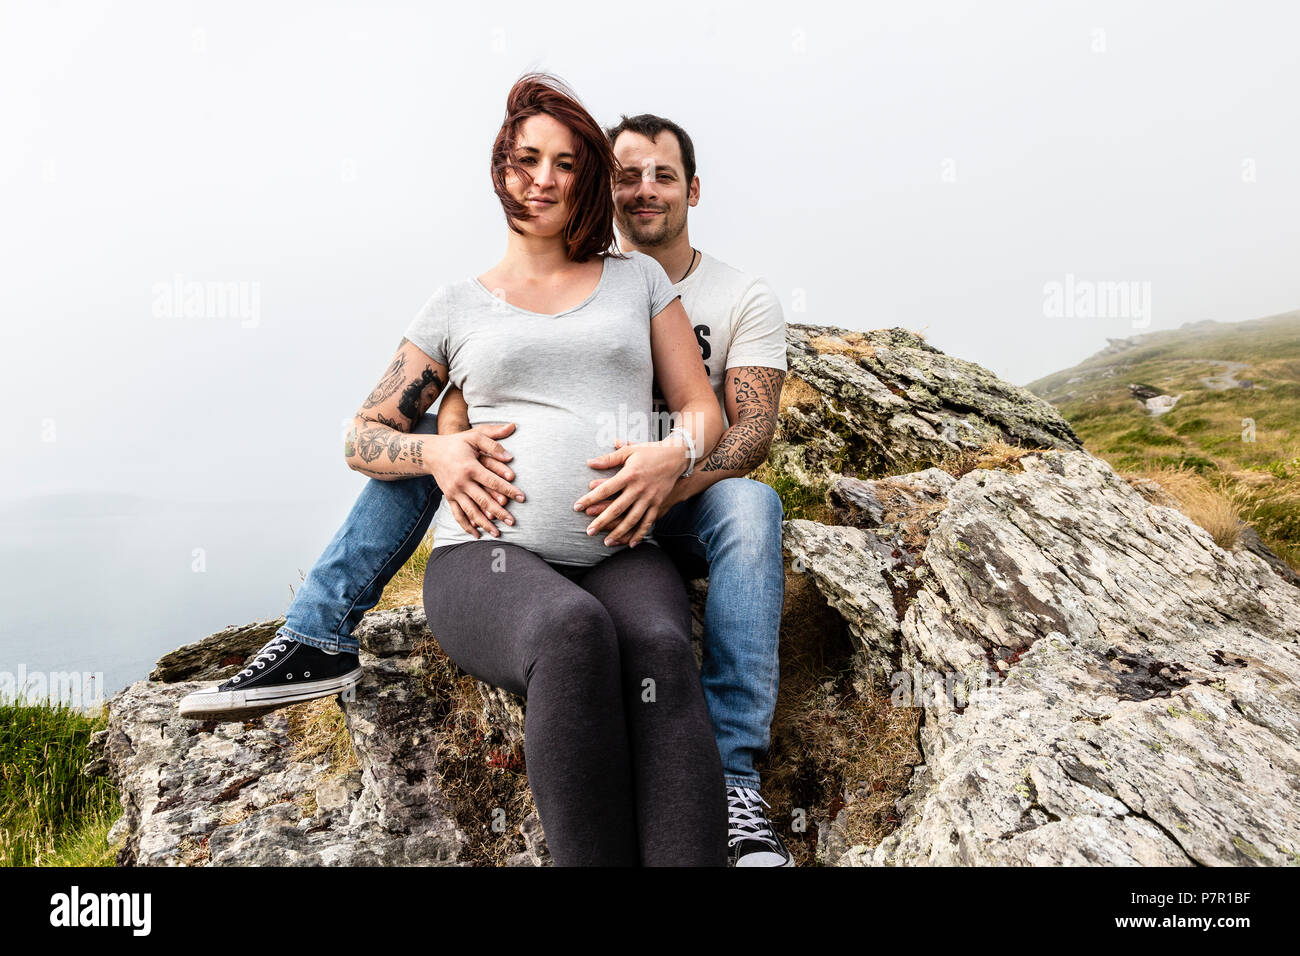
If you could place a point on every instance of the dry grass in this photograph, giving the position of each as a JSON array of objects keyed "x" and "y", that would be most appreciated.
[
  {"x": 1254, "y": 480},
  {"x": 1217, "y": 509},
  {"x": 481, "y": 770},
  {"x": 318, "y": 727},
  {"x": 993, "y": 455},
  {"x": 232, "y": 813},
  {"x": 832, "y": 735},
  {"x": 796, "y": 393},
  {"x": 853, "y": 344},
  {"x": 868, "y": 748},
  {"x": 407, "y": 585},
  {"x": 913, "y": 518},
  {"x": 192, "y": 853}
]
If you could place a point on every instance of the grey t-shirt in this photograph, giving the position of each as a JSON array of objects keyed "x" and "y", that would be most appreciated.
[{"x": 571, "y": 383}]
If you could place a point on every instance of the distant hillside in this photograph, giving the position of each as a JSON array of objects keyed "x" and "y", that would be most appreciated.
[{"x": 1219, "y": 399}]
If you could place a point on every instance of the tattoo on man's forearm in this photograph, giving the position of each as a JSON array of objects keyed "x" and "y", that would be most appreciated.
[
  {"x": 743, "y": 448},
  {"x": 758, "y": 389},
  {"x": 371, "y": 471},
  {"x": 746, "y": 443},
  {"x": 405, "y": 447}
]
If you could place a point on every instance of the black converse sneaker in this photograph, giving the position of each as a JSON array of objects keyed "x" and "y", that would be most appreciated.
[
  {"x": 283, "y": 672},
  {"x": 753, "y": 841}
]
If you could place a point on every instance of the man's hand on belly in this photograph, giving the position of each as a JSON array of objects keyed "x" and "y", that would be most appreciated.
[
  {"x": 678, "y": 494},
  {"x": 634, "y": 497}
]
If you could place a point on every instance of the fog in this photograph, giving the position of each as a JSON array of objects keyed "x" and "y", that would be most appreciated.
[{"x": 946, "y": 167}]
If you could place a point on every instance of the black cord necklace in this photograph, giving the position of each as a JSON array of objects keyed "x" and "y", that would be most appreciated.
[{"x": 694, "y": 253}]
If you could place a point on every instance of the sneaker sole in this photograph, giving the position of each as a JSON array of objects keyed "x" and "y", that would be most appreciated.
[
  {"x": 786, "y": 861},
  {"x": 242, "y": 704}
]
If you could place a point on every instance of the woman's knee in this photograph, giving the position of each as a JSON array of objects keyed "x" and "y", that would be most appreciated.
[
  {"x": 574, "y": 633},
  {"x": 658, "y": 649}
]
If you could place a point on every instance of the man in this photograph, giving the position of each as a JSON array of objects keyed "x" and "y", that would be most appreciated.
[{"x": 717, "y": 521}]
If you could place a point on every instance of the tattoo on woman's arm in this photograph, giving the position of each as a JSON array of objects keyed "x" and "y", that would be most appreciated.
[
  {"x": 371, "y": 444},
  {"x": 389, "y": 384},
  {"x": 419, "y": 395}
]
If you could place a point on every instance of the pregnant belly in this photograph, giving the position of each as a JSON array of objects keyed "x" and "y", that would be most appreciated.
[{"x": 550, "y": 466}]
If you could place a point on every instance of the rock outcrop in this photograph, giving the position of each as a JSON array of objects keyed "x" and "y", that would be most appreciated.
[
  {"x": 245, "y": 793},
  {"x": 1097, "y": 681},
  {"x": 1101, "y": 682},
  {"x": 886, "y": 402}
]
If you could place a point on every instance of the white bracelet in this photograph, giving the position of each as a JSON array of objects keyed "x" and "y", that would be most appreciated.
[{"x": 690, "y": 444}]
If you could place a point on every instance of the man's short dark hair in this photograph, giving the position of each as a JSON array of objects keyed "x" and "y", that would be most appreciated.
[{"x": 650, "y": 126}]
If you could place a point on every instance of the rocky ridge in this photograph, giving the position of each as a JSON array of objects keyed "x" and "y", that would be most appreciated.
[{"x": 1098, "y": 682}]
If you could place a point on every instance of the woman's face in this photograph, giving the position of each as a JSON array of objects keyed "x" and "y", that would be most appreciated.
[{"x": 545, "y": 148}]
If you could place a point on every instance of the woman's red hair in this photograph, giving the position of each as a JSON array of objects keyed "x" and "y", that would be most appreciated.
[{"x": 590, "y": 229}]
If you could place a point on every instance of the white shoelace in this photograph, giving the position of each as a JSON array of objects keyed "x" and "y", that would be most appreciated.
[
  {"x": 264, "y": 656},
  {"x": 747, "y": 820}
]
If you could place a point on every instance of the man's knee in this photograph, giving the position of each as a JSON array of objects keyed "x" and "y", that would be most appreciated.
[
  {"x": 749, "y": 494},
  {"x": 745, "y": 508}
]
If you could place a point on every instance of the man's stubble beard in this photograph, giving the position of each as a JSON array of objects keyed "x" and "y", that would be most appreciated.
[{"x": 670, "y": 231}]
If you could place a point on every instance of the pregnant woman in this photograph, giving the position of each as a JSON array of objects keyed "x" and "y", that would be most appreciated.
[{"x": 562, "y": 339}]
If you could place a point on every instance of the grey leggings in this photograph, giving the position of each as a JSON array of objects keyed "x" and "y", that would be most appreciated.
[{"x": 621, "y": 756}]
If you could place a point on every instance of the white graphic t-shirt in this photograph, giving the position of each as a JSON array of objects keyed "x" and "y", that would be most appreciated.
[{"x": 738, "y": 321}]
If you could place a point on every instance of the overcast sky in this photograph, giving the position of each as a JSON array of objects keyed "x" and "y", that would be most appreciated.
[{"x": 937, "y": 166}]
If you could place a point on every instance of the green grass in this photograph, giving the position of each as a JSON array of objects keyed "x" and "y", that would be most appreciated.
[
  {"x": 798, "y": 500},
  {"x": 1277, "y": 520},
  {"x": 52, "y": 814},
  {"x": 1142, "y": 438},
  {"x": 1245, "y": 441}
]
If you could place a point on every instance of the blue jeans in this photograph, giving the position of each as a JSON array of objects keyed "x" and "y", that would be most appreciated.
[
  {"x": 383, "y": 529},
  {"x": 731, "y": 532}
]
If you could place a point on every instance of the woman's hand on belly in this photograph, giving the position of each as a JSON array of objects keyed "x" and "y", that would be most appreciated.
[
  {"x": 634, "y": 497},
  {"x": 475, "y": 495}
]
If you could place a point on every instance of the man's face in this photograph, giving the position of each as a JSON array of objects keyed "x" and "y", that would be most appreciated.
[{"x": 651, "y": 195}]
